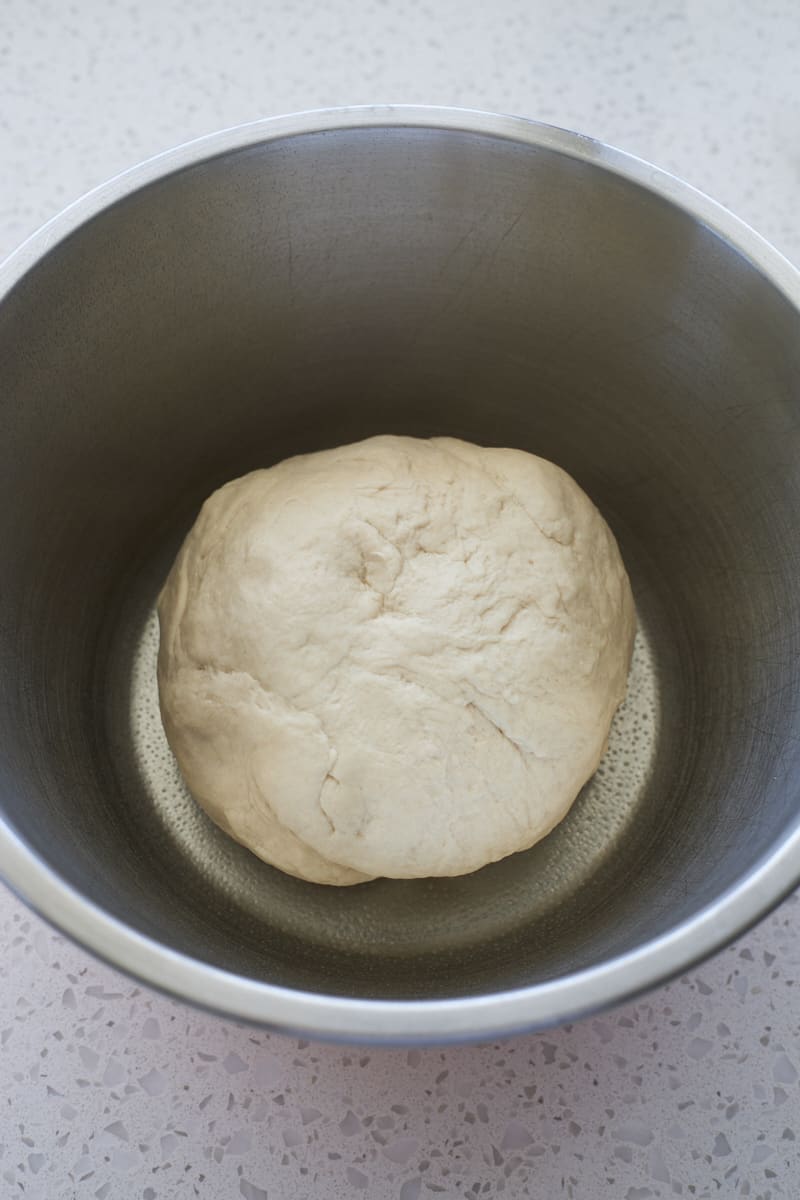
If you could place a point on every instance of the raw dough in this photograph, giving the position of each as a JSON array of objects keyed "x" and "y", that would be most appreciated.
[{"x": 400, "y": 657}]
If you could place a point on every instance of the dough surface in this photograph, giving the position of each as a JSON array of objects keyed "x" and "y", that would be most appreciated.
[{"x": 397, "y": 658}]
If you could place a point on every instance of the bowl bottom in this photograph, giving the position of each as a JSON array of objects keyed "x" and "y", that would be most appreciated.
[{"x": 375, "y": 939}]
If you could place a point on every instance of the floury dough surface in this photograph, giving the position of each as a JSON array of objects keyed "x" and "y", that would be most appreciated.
[{"x": 397, "y": 658}]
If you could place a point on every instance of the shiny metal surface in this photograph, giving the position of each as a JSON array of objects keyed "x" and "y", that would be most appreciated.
[{"x": 304, "y": 282}]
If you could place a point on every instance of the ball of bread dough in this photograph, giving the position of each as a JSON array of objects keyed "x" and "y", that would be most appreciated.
[{"x": 398, "y": 658}]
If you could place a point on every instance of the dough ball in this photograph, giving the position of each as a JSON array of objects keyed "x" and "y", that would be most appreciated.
[{"x": 398, "y": 658}]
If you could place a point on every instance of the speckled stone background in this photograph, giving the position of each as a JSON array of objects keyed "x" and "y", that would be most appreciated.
[{"x": 111, "y": 1091}]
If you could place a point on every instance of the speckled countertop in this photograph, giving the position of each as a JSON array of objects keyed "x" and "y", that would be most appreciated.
[{"x": 109, "y": 1090}]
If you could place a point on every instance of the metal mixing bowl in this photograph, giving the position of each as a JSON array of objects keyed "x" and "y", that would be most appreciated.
[{"x": 308, "y": 281}]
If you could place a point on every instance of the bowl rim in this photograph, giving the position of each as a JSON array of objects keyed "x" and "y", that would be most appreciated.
[{"x": 456, "y": 1019}]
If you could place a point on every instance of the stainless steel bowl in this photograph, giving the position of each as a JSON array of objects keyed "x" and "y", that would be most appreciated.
[{"x": 307, "y": 281}]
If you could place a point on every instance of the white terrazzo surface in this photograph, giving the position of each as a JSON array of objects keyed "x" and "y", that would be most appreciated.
[{"x": 109, "y": 1090}]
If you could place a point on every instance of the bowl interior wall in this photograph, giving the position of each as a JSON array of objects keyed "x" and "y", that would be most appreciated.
[{"x": 321, "y": 288}]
